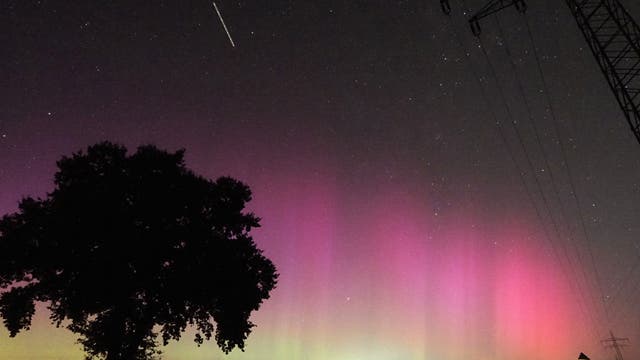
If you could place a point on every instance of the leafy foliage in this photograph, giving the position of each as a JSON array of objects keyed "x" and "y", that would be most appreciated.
[{"x": 126, "y": 248}]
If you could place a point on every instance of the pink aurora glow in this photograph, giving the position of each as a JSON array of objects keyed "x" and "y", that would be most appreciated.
[{"x": 373, "y": 272}]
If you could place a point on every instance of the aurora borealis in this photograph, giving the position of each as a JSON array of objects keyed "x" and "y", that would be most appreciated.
[
  {"x": 414, "y": 285},
  {"x": 396, "y": 218}
]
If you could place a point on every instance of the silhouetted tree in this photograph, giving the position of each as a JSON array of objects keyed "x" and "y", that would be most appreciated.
[{"x": 126, "y": 248}]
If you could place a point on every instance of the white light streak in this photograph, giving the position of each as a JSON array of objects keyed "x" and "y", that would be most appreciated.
[{"x": 223, "y": 24}]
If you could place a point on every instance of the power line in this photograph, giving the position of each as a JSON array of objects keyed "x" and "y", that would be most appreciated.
[
  {"x": 530, "y": 164},
  {"x": 520, "y": 172},
  {"x": 621, "y": 284},
  {"x": 532, "y": 121},
  {"x": 534, "y": 126},
  {"x": 566, "y": 162},
  {"x": 628, "y": 302}
]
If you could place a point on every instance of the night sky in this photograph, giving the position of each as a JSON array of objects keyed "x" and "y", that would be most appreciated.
[{"x": 394, "y": 212}]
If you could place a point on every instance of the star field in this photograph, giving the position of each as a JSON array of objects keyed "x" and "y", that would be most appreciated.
[{"x": 402, "y": 226}]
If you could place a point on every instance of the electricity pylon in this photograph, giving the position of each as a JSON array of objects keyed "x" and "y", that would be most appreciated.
[
  {"x": 616, "y": 344},
  {"x": 614, "y": 39}
]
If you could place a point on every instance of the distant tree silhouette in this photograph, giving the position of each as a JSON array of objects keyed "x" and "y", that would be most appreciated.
[{"x": 126, "y": 248}]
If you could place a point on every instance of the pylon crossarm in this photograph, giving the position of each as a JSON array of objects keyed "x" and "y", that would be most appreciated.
[{"x": 493, "y": 7}]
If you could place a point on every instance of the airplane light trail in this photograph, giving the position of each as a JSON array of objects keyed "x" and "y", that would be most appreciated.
[{"x": 223, "y": 24}]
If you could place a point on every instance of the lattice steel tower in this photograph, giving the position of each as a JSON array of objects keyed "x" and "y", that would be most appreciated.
[
  {"x": 613, "y": 37},
  {"x": 616, "y": 344}
]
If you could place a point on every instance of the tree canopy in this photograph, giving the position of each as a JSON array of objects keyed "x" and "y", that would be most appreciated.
[{"x": 130, "y": 248}]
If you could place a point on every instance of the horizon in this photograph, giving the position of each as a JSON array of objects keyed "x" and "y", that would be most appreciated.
[{"x": 399, "y": 222}]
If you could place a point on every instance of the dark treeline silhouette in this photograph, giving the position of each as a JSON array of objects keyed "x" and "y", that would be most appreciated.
[{"x": 129, "y": 248}]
